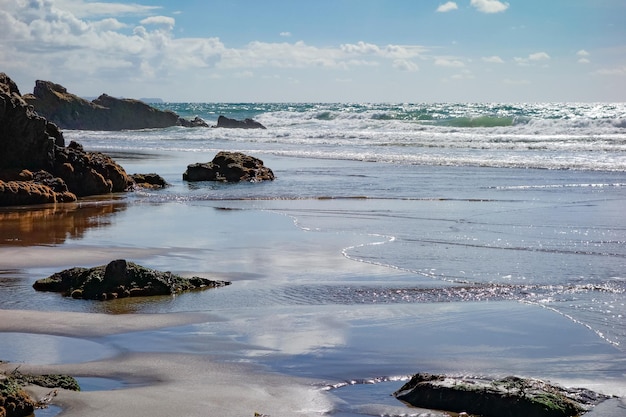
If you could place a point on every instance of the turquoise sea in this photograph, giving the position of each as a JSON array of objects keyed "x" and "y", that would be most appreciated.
[{"x": 397, "y": 238}]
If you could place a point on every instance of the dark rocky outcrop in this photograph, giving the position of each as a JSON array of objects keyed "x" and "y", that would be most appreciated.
[
  {"x": 223, "y": 121},
  {"x": 89, "y": 173},
  {"x": 229, "y": 167},
  {"x": 27, "y": 141},
  {"x": 195, "y": 122},
  {"x": 150, "y": 181},
  {"x": 36, "y": 166},
  {"x": 69, "y": 111},
  {"x": 120, "y": 279},
  {"x": 508, "y": 397}
]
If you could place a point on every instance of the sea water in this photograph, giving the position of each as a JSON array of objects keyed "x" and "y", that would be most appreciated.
[{"x": 392, "y": 234}]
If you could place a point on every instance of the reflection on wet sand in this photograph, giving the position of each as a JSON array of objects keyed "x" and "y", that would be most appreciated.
[{"x": 53, "y": 224}]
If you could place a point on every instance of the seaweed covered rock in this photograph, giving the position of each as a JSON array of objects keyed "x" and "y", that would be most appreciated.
[
  {"x": 507, "y": 397},
  {"x": 14, "y": 401},
  {"x": 229, "y": 167},
  {"x": 46, "y": 380},
  {"x": 120, "y": 279}
]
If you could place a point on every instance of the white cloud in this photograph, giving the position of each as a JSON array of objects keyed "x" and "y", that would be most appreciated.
[
  {"x": 493, "y": 59},
  {"x": 165, "y": 21},
  {"x": 489, "y": 6},
  {"x": 532, "y": 58},
  {"x": 405, "y": 65},
  {"x": 360, "y": 48},
  {"x": 449, "y": 62},
  {"x": 539, "y": 56},
  {"x": 285, "y": 34},
  {"x": 84, "y": 9},
  {"x": 109, "y": 24},
  {"x": 464, "y": 75},
  {"x": 582, "y": 54},
  {"x": 402, "y": 51},
  {"x": 447, "y": 7}
]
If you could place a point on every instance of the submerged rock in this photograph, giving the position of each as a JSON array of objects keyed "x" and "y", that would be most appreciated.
[
  {"x": 226, "y": 122},
  {"x": 120, "y": 279},
  {"x": 229, "y": 167},
  {"x": 510, "y": 396}
]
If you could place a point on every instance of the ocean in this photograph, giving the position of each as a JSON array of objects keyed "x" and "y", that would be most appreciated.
[{"x": 397, "y": 238}]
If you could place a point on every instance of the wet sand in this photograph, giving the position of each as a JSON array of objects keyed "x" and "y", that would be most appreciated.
[
  {"x": 166, "y": 384},
  {"x": 281, "y": 362}
]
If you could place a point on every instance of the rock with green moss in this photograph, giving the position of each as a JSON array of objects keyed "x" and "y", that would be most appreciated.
[
  {"x": 47, "y": 380},
  {"x": 120, "y": 279},
  {"x": 14, "y": 401},
  {"x": 508, "y": 397}
]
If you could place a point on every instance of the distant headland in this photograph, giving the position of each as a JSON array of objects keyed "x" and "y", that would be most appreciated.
[{"x": 69, "y": 111}]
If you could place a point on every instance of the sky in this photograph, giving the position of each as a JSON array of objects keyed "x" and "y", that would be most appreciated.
[{"x": 398, "y": 51}]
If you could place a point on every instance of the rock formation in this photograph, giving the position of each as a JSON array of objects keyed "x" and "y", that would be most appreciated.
[
  {"x": 27, "y": 141},
  {"x": 195, "y": 122},
  {"x": 120, "y": 279},
  {"x": 150, "y": 181},
  {"x": 14, "y": 401},
  {"x": 35, "y": 165},
  {"x": 69, "y": 111},
  {"x": 229, "y": 167},
  {"x": 511, "y": 396},
  {"x": 226, "y": 122}
]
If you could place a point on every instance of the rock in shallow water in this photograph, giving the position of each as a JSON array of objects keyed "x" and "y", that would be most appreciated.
[
  {"x": 507, "y": 397},
  {"x": 226, "y": 122},
  {"x": 229, "y": 167},
  {"x": 120, "y": 279}
]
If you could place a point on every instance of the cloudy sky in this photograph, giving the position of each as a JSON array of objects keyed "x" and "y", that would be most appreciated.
[{"x": 320, "y": 50}]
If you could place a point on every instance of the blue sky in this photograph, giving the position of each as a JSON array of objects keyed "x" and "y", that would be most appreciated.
[{"x": 322, "y": 51}]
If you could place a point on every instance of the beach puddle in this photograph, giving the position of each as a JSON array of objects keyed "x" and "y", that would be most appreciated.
[
  {"x": 44, "y": 349},
  {"x": 374, "y": 397},
  {"x": 49, "y": 411},
  {"x": 90, "y": 383}
]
